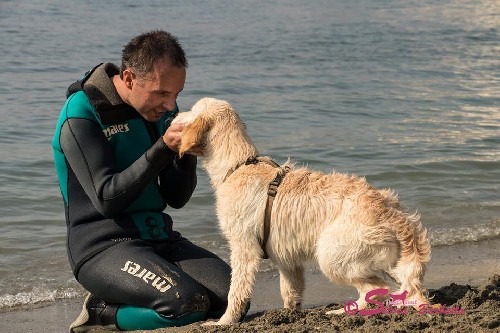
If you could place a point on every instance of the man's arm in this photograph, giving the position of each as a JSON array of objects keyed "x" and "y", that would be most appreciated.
[
  {"x": 91, "y": 159},
  {"x": 179, "y": 181}
]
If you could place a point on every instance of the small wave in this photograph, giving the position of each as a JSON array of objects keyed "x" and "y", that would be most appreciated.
[
  {"x": 476, "y": 233},
  {"x": 36, "y": 296}
]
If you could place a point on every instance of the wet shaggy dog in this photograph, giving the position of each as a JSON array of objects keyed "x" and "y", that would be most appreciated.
[{"x": 359, "y": 235}]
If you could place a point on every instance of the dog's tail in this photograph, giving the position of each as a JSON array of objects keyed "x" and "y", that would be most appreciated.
[{"x": 415, "y": 249}]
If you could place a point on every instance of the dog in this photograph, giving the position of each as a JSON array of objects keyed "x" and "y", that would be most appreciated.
[{"x": 359, "y": 235}]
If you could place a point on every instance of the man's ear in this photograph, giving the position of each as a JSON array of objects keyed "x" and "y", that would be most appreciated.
[
  {"x": 194, "y": 134},
  {"x": 127, "y": 77}
]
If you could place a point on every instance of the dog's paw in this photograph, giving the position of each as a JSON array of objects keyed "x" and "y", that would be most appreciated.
[
  {"x": 215, "y": 323},
  {"x": 336, "y": 312}
]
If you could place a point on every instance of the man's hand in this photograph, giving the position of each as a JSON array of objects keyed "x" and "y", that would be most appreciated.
[{"x": 173, "y": 137}]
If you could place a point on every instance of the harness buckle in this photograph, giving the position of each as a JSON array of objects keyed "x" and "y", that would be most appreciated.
[{"x": 272, "y": 191}]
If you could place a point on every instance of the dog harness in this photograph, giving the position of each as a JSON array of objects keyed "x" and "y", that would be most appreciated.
[{"x": 271, "y": 193}]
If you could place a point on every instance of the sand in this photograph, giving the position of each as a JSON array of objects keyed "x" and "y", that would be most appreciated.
[
  {"x": 468, "y": 310},
  {"x": 465, "y": 278}
]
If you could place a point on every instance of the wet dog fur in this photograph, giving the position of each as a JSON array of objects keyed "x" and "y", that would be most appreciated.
[{"x": 358, "y": 235}]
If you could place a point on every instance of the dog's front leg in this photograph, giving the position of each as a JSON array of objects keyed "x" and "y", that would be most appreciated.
[{"x": 244, "y": 265}]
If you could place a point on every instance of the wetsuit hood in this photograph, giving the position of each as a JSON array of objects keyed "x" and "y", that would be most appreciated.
[{"x": 99, "y": 88}]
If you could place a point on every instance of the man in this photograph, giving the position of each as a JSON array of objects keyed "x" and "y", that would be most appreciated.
[{"x": 115, "y": 156}]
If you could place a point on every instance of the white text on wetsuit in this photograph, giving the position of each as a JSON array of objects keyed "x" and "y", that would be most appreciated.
[
  {"x": 147, "y": 276},
  {"x": 113, "y": 129}
]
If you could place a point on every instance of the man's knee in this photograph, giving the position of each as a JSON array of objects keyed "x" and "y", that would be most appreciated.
[{"x": 184, "y": 301}]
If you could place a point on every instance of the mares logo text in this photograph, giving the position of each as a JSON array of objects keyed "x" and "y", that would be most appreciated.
[
  {"x": 161, "y": 283},
  {"x": 114, "y": 129}
]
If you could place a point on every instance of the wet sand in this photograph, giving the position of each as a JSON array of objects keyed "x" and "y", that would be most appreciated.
[{"x": 461, "y": 276}]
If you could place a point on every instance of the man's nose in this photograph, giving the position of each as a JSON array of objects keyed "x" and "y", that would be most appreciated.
[{"x": 169, "y": 104}]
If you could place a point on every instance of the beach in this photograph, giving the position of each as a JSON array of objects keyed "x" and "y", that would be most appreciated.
[
  {"x": 403, "y": 93},
  {"x": 457, "y": 276}
]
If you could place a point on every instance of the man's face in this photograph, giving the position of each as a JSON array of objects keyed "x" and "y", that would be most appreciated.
[{"x": 157, "y": 93}]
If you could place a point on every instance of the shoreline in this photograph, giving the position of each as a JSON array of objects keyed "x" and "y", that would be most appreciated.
[{"x": 463, "y": 264}]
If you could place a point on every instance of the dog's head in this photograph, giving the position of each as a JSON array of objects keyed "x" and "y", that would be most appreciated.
[{"x": 207, "y": 117}]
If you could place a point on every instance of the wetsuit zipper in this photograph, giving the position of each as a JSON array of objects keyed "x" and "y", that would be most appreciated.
[
  {"x": 153, "y": 132},
  {"x": 154, "y": 135}
]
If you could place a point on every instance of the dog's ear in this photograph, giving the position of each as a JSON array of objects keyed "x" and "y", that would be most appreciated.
[{"x": 193, "y": 134}]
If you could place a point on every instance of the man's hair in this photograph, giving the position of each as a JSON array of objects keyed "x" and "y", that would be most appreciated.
[{"x": 144, "y": 51}]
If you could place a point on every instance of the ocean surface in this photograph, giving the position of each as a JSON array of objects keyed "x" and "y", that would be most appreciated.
[{"x": 404, "y": 93}]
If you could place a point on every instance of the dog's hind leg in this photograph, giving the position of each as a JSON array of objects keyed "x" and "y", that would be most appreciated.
[
  {"x": 365, "y": 285},
  {"x": 415, "y": 253},
  {"x": 345, "y": 257},
  {"x": 292, "y": 286}
]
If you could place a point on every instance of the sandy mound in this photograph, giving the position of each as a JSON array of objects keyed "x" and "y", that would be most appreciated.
[{"x": 464, "y": 309}]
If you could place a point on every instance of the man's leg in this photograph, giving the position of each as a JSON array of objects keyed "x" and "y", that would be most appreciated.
[
  {"x": 151, "y": 291},
  {"x": 206, "y": 268}
]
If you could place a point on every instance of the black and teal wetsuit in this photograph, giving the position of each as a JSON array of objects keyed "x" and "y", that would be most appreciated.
[{"x": 117, "y": 177}]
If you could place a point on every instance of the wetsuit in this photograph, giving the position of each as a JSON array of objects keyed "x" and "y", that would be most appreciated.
[{"x": 116, "y": 177}]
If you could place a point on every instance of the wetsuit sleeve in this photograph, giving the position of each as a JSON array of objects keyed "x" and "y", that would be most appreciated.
[
  {"x": 91, "y": 158},
  {"x": 178, "y": 182}
]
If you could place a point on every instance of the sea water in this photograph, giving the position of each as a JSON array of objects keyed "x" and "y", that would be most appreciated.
[{"x": 404, "y": 93}]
